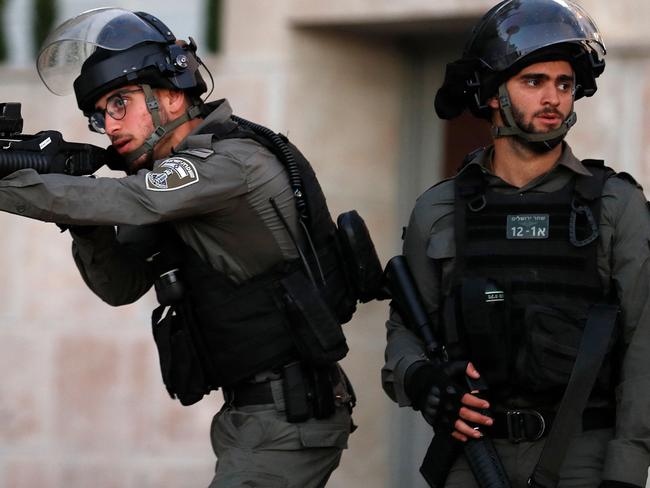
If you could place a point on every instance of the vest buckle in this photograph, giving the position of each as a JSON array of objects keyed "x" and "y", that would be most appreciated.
[
  {"x": 519, "y": 425},
  {"x": 576, "y": 209}
]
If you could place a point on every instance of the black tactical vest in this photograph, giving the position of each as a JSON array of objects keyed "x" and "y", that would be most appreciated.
[
  {"x": 219, "y": 332},
  {"x": 525, "y": 277}
]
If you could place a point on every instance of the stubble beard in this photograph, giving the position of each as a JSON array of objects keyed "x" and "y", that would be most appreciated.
[{"x": 535, "y": 147}]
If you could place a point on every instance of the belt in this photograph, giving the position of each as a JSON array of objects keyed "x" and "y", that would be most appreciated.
[
  {"x": 531, "y": 425},
  {"x": 244, "y": 394}
]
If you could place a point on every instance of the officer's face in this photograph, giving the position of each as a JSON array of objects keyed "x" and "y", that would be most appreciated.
[
  {"x": 542, "y": 95},
  {"x": 131, "y": 130}
]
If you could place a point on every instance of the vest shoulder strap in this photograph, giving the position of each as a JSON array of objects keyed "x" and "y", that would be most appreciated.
[{"x": 590, "y": 188}]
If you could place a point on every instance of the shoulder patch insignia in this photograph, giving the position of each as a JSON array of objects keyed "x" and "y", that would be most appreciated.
[{"x": 172, "y": 174}]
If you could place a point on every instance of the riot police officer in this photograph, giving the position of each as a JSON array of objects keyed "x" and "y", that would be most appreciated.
[
  {"x": 227, "y": 221},
  {"x": 521, "y": 259}
]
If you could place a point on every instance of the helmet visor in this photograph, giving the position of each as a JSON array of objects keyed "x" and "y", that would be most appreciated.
[
  {"x": 520, "y": 27},
  {"x": 69, "y": 45}
]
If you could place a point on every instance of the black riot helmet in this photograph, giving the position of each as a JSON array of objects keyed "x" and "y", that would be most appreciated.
[
  {"x": 106, "y": 48},
  {"x": 511, "y": 36}
]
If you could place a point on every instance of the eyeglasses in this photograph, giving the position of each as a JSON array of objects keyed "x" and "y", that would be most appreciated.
[{"x": 115, "y": 107}]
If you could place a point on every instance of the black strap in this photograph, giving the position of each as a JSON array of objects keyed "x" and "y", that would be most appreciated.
[
  {"x": 593, "y": 346},
  {"x": 591, "y": 187},
  {"x": 243, "y": 394}
]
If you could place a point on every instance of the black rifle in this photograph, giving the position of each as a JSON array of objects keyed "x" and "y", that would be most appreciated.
[
  {"x": 46, "y": 151},
  {"x": 443, "y": 450}
]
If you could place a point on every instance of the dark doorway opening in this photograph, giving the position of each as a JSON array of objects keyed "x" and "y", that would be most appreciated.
[{"x": 463, "y": 135}]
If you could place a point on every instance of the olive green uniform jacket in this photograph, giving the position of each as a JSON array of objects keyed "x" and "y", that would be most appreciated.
[
  {"x": 217, "y": 199},
  {"x": 623, "y": 263},
  {"x": 216, "y": 196}
]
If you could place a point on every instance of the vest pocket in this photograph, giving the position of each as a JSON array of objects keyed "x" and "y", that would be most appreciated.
[
  {"x": 317, "y": 334},
  {"x": 550, "y": 347}
]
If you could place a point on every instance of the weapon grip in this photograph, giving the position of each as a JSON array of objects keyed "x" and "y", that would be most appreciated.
[{"x": 485, "y": 463}]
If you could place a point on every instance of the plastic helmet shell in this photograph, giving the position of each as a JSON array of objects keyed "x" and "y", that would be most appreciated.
[
  {"x": 512, "y": 35},
  {"x": 103, "y": 49}
]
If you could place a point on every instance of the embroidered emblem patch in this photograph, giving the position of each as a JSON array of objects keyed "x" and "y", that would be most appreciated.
[{"x": 172, "y": 174}]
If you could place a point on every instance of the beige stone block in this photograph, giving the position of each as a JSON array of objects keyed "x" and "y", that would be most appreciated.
[
  {"x": 249, "y": 95},
  {"x": 166, "y": 476},
  {"x": 23, "y": 473},
  {"x": 365, "y": 335},
  {"x": 313, "y": 12},
  {"x": 98, "y": 474},
  {"x": 89, "y": 410},
  {"x": 23, "y": 396},
  {"x": 344, "y": 109},
  {"x": 623, "y": 24},
  {"x": 157, "y": 424},
  {"x": 255, "y": 29}
]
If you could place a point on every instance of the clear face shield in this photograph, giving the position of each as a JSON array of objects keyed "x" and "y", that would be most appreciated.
[{"x": 65, "y": 50}]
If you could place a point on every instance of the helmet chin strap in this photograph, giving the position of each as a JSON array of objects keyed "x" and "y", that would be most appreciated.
[
  {"x": 539, "y": 142},
  {"x": 159, "y": 130}
]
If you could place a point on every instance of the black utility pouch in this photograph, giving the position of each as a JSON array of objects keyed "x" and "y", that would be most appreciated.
[
  {"x": 180, "y": 365},
  {"x": 550, "y": 347},
  {"x": 323, "y": 391},
  {"x": 317, "y": 334},
  {"x": 362, "y": 263},
  {"x": 294, "y": 387}
]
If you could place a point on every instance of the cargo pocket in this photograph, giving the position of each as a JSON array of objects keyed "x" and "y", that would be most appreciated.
[
  {"x": 333, "y": 432},
  {"x": 324, "y": 437},
  {"x": 550, "y": 347}
]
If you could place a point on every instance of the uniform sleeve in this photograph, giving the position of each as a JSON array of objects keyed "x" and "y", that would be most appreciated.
[
  {"x": 178, "y": 187},
  {"x": 626, "y": 237},
  {"x": 114, "y": 274},
  {"x": 427, "y": 247}
]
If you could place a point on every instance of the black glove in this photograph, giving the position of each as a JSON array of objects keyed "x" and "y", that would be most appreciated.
[
  {"x": 616, "y": 484},
  {"x": 436, "y": 390}
]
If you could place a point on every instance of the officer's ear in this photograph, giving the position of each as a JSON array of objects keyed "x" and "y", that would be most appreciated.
[
  {"x": 174, "y": 100},
  {"x": 495, "y": 106}
]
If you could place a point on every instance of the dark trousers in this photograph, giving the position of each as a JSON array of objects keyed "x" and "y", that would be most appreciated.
[{"x": 581, "y": 469}]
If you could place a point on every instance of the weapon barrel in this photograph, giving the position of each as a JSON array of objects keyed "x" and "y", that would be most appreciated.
[
  {"x": 409, "y": 302},
  {"x": 485, "y": 463}
]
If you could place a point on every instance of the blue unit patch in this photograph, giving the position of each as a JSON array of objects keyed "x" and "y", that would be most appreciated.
[{"x": 172, "y": 174}]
